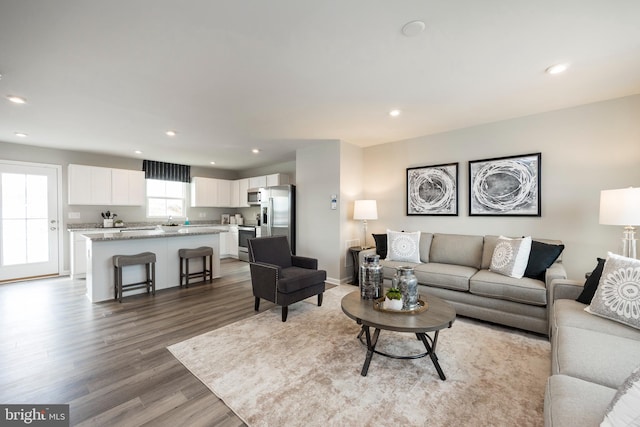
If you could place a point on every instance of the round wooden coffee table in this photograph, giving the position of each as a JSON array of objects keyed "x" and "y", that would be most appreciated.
[{"x": 439, "y": 315}]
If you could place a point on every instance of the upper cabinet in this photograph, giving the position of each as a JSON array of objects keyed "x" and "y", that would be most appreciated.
[
  {"x": 277, "y": 179},
  {"x": 258, "y": 182},
  {"x": 127, "y": 187},
  {"x": 92, "y": 185},
  {"x": 222, "y": 193}
]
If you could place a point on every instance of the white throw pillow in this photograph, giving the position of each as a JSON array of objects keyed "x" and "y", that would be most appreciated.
[
  {"x": 618, "y": 294},
  {"x": 403, "y": 246},
  {"x": 624, "y": 409},
  {"x": 510, "y": 257}
]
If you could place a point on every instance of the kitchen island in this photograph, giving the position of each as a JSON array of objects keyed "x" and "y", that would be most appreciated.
[{"x": 165, "y": 243}]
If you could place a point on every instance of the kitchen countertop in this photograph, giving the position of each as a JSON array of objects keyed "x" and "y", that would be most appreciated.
[{"x": 181, "y": 231}]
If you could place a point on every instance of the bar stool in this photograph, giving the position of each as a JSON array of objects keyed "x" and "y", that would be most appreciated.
[
  {"x": 186, "y": 254},
  {"x": 146, "y": 258}
]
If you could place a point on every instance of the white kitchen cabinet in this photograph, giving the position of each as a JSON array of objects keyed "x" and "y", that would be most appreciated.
[
  {"x": 127, "y": 187},
  {"x": 224, "y": 193},
  {"x": 277, "y": 179},
  {"x": 258, "y": 182},
  {"x": 232, "y": 241},
  {"x": 89, "y": 185},
  {"x": 235, "y": 193},
  {"x": 243, "y": 186},
  {"x": 204, "y": 192},
  {"x": 78, "y": 253}
]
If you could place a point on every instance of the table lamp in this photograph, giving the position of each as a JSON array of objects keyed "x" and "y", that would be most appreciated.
[
  {"x": 622, "y": 207},
  {"x": 365, "y": 210}
]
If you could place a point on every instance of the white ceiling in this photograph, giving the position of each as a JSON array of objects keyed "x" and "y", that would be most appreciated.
[{"x": 113, "y": 76}]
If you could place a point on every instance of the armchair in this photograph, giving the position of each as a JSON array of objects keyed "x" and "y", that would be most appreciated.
[{"x": 280, "y": 277}]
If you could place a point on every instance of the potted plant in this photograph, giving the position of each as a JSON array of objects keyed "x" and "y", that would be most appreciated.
[{"x": 393, "y": 299}]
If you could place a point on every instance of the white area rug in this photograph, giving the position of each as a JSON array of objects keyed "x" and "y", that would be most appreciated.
[{"x": 306, "y": 372}]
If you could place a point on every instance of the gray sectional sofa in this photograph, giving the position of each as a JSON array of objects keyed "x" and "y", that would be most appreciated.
[
  {"x": 455, "y": 268},
  {"x": 590, "y": 358}
]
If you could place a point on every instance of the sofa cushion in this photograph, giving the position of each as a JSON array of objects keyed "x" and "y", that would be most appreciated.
[
  {"x": 618, "y": 294},
  {"x": 489, "y": 284},
  {"x": 624, "y": 409},
  {"x": 457, "y": 249},
  {"x": 510, "y": 256},
  {"x": 591, "y": 284},
  {"x": 574, "y": 402},
  {"x": 542, "y": 256},
  {"x": 598, "y": 357},
  {"x": 446, "y": 276},
  {"x": 567, "y": 312},
  {"x": 403, "y": 246}
]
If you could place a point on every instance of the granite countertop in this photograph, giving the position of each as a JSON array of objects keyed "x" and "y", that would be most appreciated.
[
  {"x": 134, "y": 226},
  {"x": 180, "y": 231}
]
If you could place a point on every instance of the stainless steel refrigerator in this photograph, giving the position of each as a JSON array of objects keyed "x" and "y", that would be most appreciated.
[{"x": 278, "y": 213}]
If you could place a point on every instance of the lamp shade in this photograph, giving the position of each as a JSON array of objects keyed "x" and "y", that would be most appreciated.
[
  {"x": 365, "y": 209},
  {"x": 620, "y": 207}
]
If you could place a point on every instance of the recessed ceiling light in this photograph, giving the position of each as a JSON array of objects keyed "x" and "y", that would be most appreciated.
[
  {"x": 171, "y": 132},
  {"x": 394, "y": 113},
  {"x": 413, "y": 28},
  {"x": 557, "y": 69},
  {"x": 21, "y": 134},
  {"x": 213, "y": 163},
  {"x": 16, "y": 99},
  {"x": 138, "y": 152},
  {"x": 255, "y": 151}
]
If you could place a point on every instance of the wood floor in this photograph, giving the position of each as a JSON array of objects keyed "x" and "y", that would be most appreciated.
[{"x": 109, "y": 360}]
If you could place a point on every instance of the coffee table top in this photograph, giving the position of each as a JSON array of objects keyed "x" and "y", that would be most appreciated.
[{"x": 439, "y": 315}]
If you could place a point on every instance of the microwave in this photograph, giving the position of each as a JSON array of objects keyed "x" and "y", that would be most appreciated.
[{"x": 253, "y": 196}]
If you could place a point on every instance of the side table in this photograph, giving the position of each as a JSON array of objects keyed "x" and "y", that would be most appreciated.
[{"x": 355, "y": 256}]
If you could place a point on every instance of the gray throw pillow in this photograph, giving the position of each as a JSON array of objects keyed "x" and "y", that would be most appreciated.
[
  {"x": 618, "y": 294},
  {"x": 624, "y": 409}
]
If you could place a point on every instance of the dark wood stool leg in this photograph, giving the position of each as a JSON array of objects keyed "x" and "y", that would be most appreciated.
[
  {"x": 153, "y": 278},
  {"x": 147, "y": 282},
  {"x": 119, "y": 284},
  {"x": 115, "y": 282},
  {"x": 210, "y": 268},
  {"x": 181, "y": 270},
  {"x": 186, "y": 274}
]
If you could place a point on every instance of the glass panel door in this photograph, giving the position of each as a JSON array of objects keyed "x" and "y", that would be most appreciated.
[{"x": 28, "y": 221}]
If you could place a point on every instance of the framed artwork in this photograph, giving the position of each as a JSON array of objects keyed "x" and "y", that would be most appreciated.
[
  {"x": 505, "y": 186},
  {"x": 432, "y": 190}
]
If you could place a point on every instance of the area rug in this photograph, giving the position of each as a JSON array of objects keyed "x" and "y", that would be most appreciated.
[{"x": 306, "y": 372}]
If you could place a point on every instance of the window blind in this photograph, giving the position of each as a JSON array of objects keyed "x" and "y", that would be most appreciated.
[{"x": 166, "y": 171}]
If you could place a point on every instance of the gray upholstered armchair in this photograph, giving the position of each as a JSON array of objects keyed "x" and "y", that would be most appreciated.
[{"x": 280, "y": 277}]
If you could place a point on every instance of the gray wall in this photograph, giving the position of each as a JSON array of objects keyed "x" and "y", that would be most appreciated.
[{"x": 584, "y": 150}]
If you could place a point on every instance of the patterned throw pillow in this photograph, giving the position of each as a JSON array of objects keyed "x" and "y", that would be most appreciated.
[
  {"x": 510, "y": 257},
  {"x": 403, "y": 246},
  {"x": 624, "y": 409},
  {"x": 618, "y": 294}
]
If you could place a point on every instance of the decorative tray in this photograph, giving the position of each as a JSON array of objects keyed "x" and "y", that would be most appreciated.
[{"x": 378, "y": 304}]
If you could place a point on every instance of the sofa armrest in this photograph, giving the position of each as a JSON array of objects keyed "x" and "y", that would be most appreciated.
[
  {"x": 363, "y": 253},
  {"x": 556, "y": 271},
  {"x": 304, "y": 262},
  {"x": 565, "y": 289}
]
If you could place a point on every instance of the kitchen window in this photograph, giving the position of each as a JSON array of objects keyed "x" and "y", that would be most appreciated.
[{"x": 165, "y": 199}]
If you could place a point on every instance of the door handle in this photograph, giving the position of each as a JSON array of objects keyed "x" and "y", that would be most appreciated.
[{"x": 52, "y": 228}]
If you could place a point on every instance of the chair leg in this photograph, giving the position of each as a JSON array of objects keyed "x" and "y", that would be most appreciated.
[
  {"x": 285, "y": 311},
  {"x": 181, "y": 270},
  {"x": 320, "y": 299},
  {"x": 186, "y": 274},
  {"x": 256, "y": 305},
  {"x": 153, "y": 279},
  {"x": 115, "y": 282}
]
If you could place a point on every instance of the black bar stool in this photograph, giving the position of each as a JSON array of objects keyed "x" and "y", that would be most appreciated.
[
  {"x": 185, "y": 254},
  {"x": 146, "y": 258}
]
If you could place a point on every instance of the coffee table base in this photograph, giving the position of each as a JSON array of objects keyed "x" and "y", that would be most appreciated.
[{"x": 371, "y": 342}]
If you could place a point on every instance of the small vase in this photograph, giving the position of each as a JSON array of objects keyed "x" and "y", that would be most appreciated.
[
  {"x": 371, "y": 277},
  {"x": 407, "y": 283},
  {"x": 392, "y": 304}
]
